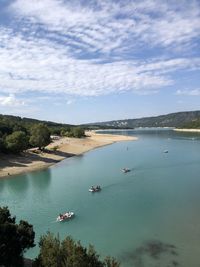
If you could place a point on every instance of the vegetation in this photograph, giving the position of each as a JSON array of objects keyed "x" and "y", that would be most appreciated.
[
  {"x": 40, "y": 136},
  {"x": 179, "y": 119},
  {"x": 17, "y": 134},
  {"x": 15, "y": 239},
  {"x": 76, "y": 132},
  {"x": 194, "y": 124},
  {"x": 11, "y": 123},
  {"x": 68, "y": 253},
  {"x": 17, "y": 142}
]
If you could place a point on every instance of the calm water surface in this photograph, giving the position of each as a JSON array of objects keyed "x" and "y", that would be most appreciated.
[{"x": 148, "y": 217}]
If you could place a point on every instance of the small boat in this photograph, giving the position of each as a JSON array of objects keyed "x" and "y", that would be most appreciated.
[
  {"x": 165, "y": 151},
  {"x": 125, "y": 170},
  {"x": 65, "y": 216},
  {"x": 95, "y": 189}
]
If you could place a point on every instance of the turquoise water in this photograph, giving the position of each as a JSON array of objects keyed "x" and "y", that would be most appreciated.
[{"x": 148, "y": 217}]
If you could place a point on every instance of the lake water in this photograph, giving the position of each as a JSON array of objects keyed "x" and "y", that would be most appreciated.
[{"x": 145, "y": 218}]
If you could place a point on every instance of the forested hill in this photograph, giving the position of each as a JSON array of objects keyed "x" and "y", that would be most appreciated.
[
  {"x": 187, "y": 119},
  {"x": 18, "y": 122},
  {"x": 19, "y": 134}
]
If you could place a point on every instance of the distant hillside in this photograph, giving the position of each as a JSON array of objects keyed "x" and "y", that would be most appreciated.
[
  {"x": 187, "y": 119},
  {"x": 194, "y": 124}
]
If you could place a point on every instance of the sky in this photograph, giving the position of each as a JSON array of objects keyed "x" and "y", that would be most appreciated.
[{"x": 87, "y": 61}]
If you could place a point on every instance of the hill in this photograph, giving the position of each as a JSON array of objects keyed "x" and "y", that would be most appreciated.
[
  {"x": 9, "y": 122},
  {"x": 18, "y": 134},
  {"x": 186, "y": 119}
]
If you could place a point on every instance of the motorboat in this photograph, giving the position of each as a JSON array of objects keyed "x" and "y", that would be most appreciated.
[
  {"x": 65, "y": 216},
  {"x": 165, "y": 151},
  {"x": 95, "y": 189},
  {"x": 125, "y": 170}
]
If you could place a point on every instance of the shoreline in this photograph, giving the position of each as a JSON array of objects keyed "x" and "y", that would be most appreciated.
[
  {"x": 30, "y": 161},
  {"x": 188, "y": 130}
]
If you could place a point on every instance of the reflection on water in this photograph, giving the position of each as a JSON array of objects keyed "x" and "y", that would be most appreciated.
[
  {"x": 2, "y": 185},
  {"x": 41, "y": 180},
  {"x": 152, "y": 253},
  {"x": 17, "y": 186},
  {"x": 20, "y": 184}
]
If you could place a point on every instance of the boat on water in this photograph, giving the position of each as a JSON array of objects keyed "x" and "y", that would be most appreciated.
[
  {"x": 165, "y": 151},
  {"x": 65, "y": 216},
  {"x": 125, "y": 170},
  {"x": 95, "y": 189}
]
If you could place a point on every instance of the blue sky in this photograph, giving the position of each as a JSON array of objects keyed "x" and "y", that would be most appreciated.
[{"x": 86, "y": 61}]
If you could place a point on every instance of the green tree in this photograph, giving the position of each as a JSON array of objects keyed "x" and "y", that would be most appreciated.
[
  {"x": 63, "y": 132},
  {"x": 50, "y": 254},
  {"x": 17, "y": 142},
  {"x": 19, "y": 127},
  {"x": 15, "y": 239},
  {"x": 2, "y": 145},
  {"x": 78, "y": 132},
  {"x": 111, "y": 262},
  {"x": 40, "y": 136},
  {"x": 5, "y": 128},
  {"x": 69, "y": 253}
]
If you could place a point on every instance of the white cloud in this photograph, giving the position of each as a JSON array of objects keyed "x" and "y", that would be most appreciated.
[
  {"x": 10, "y": 101},
  {"x": 171, "y": 65},
  {"x": 193, "y": 92},
  {"x": 109, "y": 25},
  {"x": 88, "y": 50},
  {"x": 36, "y": 65}
]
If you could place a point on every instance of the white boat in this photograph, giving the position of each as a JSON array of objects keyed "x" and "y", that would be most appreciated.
[
  {"x": 125, "y": 170},
  {"x": 95, "y": 189},
  {"x": 65, "y": 216}
]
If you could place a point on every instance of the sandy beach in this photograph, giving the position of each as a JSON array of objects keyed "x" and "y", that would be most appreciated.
[
  {"x": 188, "y": 130},
  {"x": 66, "y": 147}
]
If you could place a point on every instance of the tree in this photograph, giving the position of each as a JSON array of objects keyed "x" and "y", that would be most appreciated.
[
  {"x": 5, "y": 128},
  {"x": 17, "y": 142},
  {"x": 19, "y": 127},
  {"x": 50, "y": 254},
  {"x": 69, "y": 253},
  {"x": 63, "y": 132},
  {"x": 40, "y": 136},
  {"x": 15, "y": 239},
  {"x": 78, "y": 132},
  {"x": 111, "y": 262},
  {"x": 2, "y": 145}
]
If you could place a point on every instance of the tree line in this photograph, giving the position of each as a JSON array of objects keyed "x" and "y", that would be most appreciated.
[
  {"x": 15, "y": 239},
  {"x": 18, "y": 135},
  {"x": 194, "y": 124}
]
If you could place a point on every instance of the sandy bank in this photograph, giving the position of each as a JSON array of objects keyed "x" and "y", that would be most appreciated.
[
  {"x": 188, "y": 130},
  {"x": 67, "y": 147}
]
